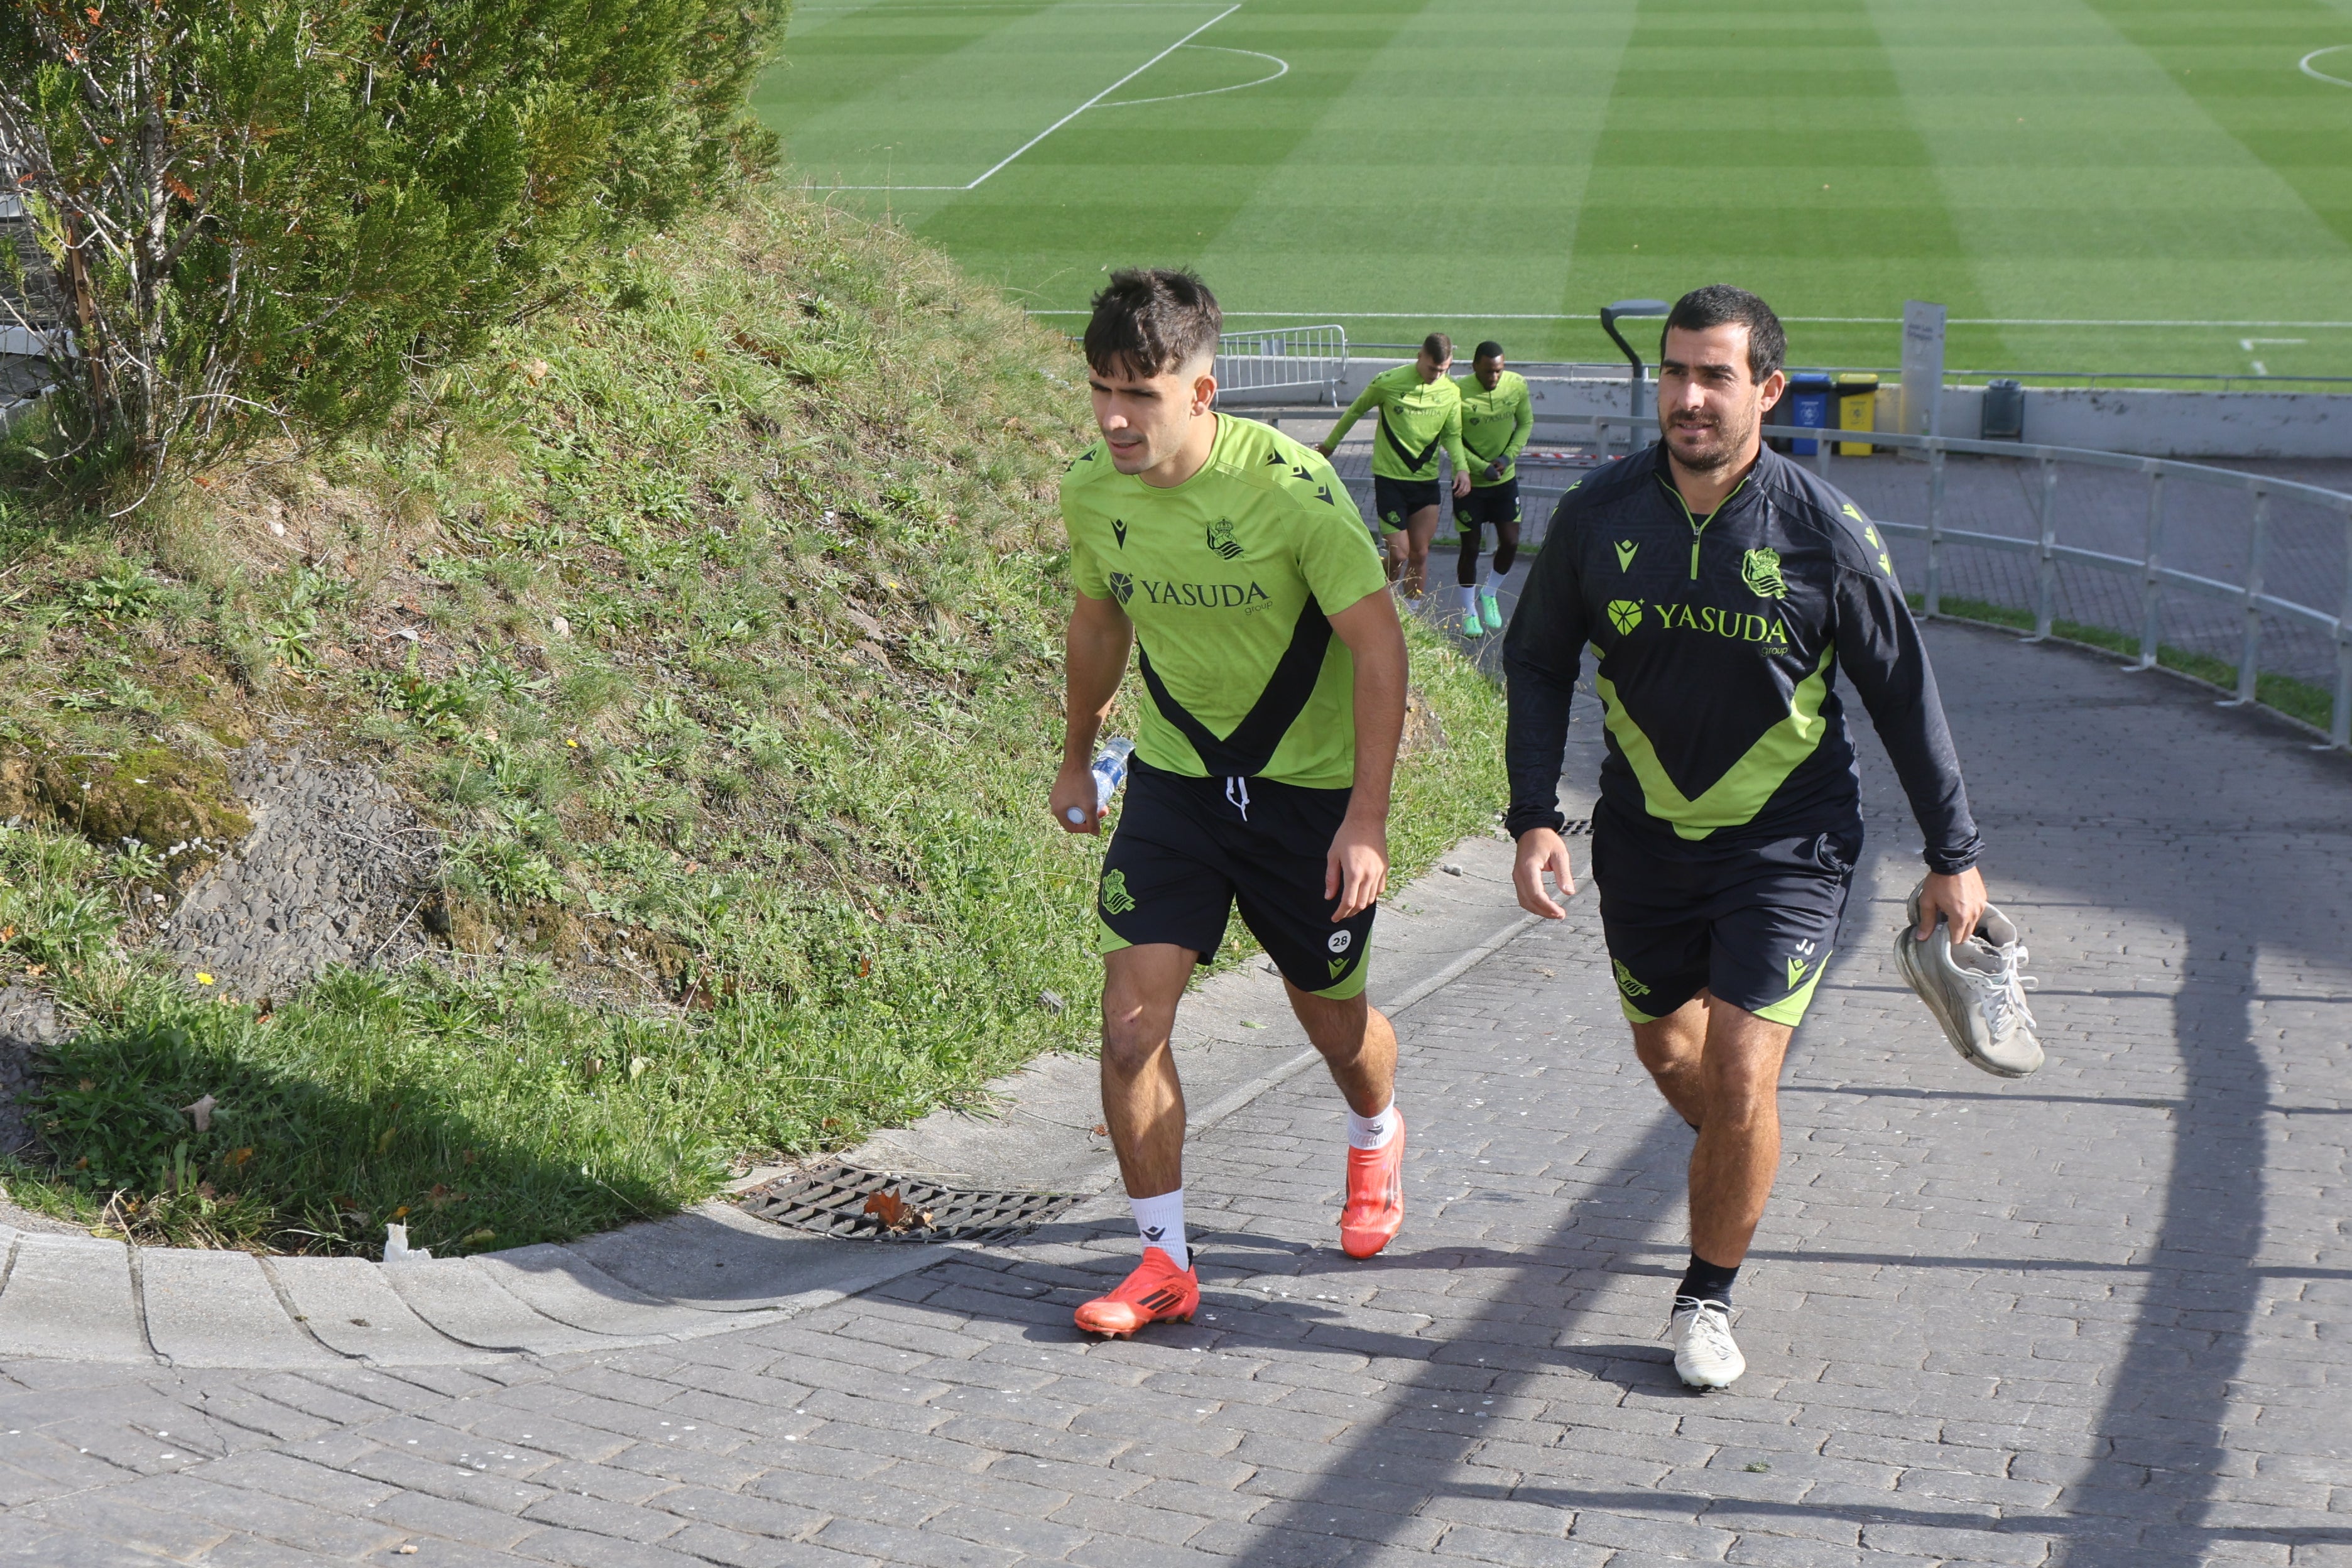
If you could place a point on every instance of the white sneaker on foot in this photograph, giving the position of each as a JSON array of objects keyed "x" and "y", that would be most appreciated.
[
  {"x": 1974, "y": 989},
  {"x": 1705, "y": 1355}
]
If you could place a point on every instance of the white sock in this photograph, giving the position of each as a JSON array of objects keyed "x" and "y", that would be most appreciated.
[
  {"x": 1160, "y": 1222},
  {"x": 1469, "y": 601},
  {"x": 1494, "y": 579},
  {"x": 1372, "y": 1131}
]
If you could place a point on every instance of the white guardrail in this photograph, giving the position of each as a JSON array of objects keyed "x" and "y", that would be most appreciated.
[
  {"x": 1285, "y": 365},
  {"x": 2154, "y": 576}
]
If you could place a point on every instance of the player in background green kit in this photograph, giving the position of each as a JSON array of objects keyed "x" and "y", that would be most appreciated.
[
  {"x": 1421, "y": 413},
  {"x": 1496, "y": 420}
]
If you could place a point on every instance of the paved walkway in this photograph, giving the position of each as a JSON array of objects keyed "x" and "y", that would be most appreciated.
[{"x": 2097, "y": 1317}]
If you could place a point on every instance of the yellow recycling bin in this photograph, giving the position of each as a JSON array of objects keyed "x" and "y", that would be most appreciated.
[{"x": 1857, "y": 401}]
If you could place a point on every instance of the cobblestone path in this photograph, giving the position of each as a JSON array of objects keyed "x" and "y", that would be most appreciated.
[{"x": 2098, "y": 1317}]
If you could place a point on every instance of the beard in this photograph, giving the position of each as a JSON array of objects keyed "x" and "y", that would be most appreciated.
[{"x": 1714, "y": 444}]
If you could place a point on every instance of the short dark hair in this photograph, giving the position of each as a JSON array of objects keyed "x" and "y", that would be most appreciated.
[
  {"x": 1490, "y": 349},
  {"x": 1722, "y": 305},
  {"x": 1438, "y": 346},
  {"x": 1152, "y": 320}
]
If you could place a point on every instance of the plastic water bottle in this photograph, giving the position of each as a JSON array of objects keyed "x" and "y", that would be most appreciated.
[{"x": 1110, "y": 772}]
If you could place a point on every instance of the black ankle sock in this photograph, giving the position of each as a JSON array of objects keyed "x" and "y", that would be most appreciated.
[{"x": 1705, "y": 1281}]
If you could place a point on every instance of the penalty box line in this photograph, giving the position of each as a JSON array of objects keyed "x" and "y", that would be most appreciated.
[{"x": 1007, "y": 160}]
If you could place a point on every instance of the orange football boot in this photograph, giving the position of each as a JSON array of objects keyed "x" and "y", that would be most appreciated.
[
  {"x": 1375, "y": 1206},
  {"x": 1157, "y": 1292}
]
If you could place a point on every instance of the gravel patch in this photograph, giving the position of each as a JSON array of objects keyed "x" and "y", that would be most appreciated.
[{"x": 336, "y": 871}]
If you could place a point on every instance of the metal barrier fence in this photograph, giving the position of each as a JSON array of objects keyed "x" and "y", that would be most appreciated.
[
  {"x": 1282, "y": 364},
  {"x": 2197, "y": 571}
]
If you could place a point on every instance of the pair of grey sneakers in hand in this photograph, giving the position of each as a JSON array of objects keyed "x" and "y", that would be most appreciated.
[{"x": 1976, "y": 989}]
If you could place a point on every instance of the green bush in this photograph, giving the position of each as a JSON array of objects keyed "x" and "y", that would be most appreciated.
[{"x": 269, "y": 216}]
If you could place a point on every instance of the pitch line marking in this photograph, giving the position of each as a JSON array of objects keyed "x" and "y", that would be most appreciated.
[
  {"x": 1002, "y": 163},
  {"x": 1281, "y": 68},
  {"x": 2315, "y": 72}
]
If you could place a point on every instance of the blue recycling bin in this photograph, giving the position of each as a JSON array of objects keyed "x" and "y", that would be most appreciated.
[{"x": 1809, "y": 406}]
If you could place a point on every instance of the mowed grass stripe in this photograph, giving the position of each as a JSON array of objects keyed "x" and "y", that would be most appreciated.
[
  {"x": 1447, "y": 179},
  {"x": 2086, "y": 182},
  {"x": 2240, "y": 65},
  {"x": 933, "y": 99},
  {"x": 1767, "y": 146},
  {"x": 1158, "y": 184}
]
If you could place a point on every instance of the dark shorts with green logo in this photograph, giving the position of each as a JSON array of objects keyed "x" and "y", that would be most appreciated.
[
  {"x": 1188, "y": 850},
  {"x": 1395, "y": 501},
  {"x": 1495, "y": 504},
  {"x": 1753, "y": 923}
]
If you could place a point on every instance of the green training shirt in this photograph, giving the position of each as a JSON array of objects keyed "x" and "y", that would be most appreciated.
[
  {"x": 1496, "y": 425},
  {"x": 1230, "y": 579},
  {"x": 1417, "y": 418}
]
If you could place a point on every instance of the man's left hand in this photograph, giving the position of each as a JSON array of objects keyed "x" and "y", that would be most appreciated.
[
  {"x": 1355, "y": 871},
  {"x": 1959, "y": 898},
  {"x": 1461, "y": 485}
]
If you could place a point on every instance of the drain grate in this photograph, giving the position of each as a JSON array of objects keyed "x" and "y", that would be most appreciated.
[{"x": 831, "y": 1200}]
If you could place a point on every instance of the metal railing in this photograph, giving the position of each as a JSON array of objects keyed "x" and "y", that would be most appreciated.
[
  {"x": 1282, "y": 364},
  {"x": 2154, "y": 576}
]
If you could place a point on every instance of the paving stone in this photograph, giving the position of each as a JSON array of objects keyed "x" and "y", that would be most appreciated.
[
  {"x": 218, "y": 1308},
  {"x": 2095, "y": 1316},
  {"x": 71, "y": 1298}
]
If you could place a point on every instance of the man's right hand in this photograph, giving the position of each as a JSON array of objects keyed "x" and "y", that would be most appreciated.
[
  {"x": 1542, "y": 850},
  {"x": 1074, "y": 791}
]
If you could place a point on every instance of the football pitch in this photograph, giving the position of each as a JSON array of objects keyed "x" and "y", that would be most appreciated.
[{"x": 2088, "y": 185}]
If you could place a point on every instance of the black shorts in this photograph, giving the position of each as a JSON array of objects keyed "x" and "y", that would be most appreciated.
[
  {"x": 1187, "y": 850},
  {"x": 1395, "y": 501},
  {"x": 1498, "y": 504},
  {"x": 1753, "y": 924}
]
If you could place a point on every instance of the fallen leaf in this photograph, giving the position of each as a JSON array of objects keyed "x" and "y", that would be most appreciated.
[
  {"x": 87, "y": 1084},
  {"x": 896, "y": 1213},
  {"x": 238, "y": 1157},
  {"x": 202, "y": 1111},
  {"x": 383, "y": 1144},
  {"x": 36, "y": 970},
  {"x": 479, "y": 1237},
  {"x": 535, "y": 372},
  {"x": 7, "y": 933},
  {"x": 1099, "y": 1131},
  {"x": 400, "y": 1213},
  {"x": 637, "y": 1066}
]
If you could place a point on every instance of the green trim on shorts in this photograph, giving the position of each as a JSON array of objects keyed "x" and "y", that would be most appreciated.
[
  {"x": 1107, "y": 941},
  {"x": 1791, "y": 1009},
  {"x": 1352, "y": 986},
  {"x": 1635, "y": 1016}
]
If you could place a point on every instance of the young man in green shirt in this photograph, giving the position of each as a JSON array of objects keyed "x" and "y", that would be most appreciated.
[
  {"x": 1421, "y": 413},
  {"x": 1274, "y": 675},
  {"x": 1497, "y": 419}
]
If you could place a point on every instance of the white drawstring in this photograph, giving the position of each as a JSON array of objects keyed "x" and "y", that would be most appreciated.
[{"x": 1237, "y": 795}]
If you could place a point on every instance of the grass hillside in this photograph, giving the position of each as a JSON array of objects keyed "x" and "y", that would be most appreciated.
[{"x": 714, "y": 615}]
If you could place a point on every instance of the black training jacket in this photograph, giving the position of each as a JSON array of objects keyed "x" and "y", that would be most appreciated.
[{"x": 1718, "y": 643}]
